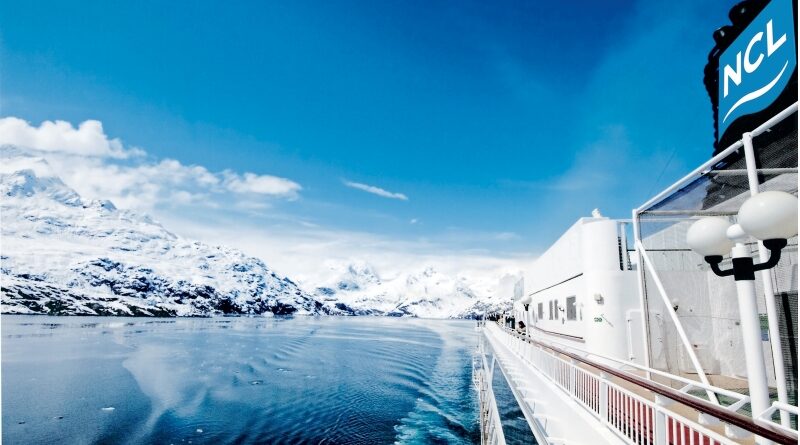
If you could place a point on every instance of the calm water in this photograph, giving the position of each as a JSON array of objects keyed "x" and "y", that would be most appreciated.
[{"x": 237, "y": 380}]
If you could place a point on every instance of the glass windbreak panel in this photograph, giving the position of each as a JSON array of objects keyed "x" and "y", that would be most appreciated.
[{"x": 703, "y": 302}]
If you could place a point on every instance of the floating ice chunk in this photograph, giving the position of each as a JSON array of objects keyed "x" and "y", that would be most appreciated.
[
  {"x": 108, "y": 408},
  {"x": 199, "y": 430}
]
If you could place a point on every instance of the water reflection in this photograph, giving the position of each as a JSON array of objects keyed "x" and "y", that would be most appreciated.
[{"x": 237, "y": 380}]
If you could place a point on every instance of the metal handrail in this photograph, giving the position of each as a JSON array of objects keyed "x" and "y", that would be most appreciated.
[
  {"x": 771, "y": 432},
  {"x": 699, "y": 385},
  {"x": 635, "y": 419},
  {"x": 490, "y": 423},
  {"x": 766, "y": 416}
]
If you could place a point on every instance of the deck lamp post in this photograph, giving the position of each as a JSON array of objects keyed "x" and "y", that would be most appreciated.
[
  {"x": 526, "y": 301},
  {"x": 770, "y": 217}
]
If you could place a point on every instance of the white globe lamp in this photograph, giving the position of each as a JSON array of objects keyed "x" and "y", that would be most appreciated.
[
  {"x": 769, "y": 215},
  {"x": 708, "y": 236},
  {"x": 772, "y": 218}
]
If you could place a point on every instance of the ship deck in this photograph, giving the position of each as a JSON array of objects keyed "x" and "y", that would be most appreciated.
[{"x": 636, "y": 408}]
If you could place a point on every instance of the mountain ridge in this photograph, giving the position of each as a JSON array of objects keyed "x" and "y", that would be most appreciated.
[{"x": 63, "y": 255}]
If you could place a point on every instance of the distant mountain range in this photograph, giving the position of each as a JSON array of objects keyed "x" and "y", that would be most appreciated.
[
  {"x": 63, "y": 255},
  {"x": 426, "y": 293}
]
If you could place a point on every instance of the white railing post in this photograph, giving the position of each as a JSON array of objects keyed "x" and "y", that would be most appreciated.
[
  {"x": 528, "y": 354},
  {"x": 660, "y": 420},
  {"x": 603, "y": 397},
  {"x": 572, "y": 376}
]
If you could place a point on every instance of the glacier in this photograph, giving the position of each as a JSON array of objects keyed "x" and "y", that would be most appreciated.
[
  {"x": 427, "y": 293},
  {"x": 63, "y": 255}
]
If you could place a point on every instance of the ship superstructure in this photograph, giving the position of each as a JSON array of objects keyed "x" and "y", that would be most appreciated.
[{"x": 622, "y": 333}]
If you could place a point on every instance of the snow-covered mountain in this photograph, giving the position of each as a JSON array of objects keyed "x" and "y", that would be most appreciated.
[
  {"x": 356, "y": 287},
  {"x": 61, "y": 254}
]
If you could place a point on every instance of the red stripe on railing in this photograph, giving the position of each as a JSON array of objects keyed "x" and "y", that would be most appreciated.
[{"x": 727, "y": 416}]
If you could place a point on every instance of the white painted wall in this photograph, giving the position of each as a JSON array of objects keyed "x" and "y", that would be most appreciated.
[
  {"x": 707, "y": 309},
  {"x": 609, "y": 292},
  {"x": 587, "y": 255}
]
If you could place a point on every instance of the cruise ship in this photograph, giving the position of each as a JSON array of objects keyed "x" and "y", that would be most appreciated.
[{"x": 678, "y": 325}]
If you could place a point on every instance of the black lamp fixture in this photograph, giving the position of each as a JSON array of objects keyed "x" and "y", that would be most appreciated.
[
  {"x": 768, "y": 216},
  {"x": 526, "y": 301}
]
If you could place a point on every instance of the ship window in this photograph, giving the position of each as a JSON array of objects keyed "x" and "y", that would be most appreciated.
[
  {"x": 541, "y": 311},
  {"x": 572, "y": 312},
  {"x": 550, "y": 305}
]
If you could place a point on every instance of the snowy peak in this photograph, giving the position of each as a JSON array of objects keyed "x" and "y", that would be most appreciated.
[
  {"x": 425, "y": 292},
  {"x": 363, "y": 272},
  {"x": 354, "y": 276},
  {"x": 63, "y": 255},
  {"x": 26, "y": 183},
  {"x": 103, "y": 204}
]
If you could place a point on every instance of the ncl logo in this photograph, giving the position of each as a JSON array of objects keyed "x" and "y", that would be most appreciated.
[{"x": 758, "y": 64}]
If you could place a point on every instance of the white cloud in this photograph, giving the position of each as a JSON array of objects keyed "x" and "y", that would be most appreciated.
[
  {"x": 304, "y": 252},
  {"x": 99, "y": 167},
  {"x": 196, "y": 202},
  {"x": 88, "y": 139},
  {"x": 506, "y": 236},
  {"x": 261, "y": 184},
  {"x": 376, "y": 190}
]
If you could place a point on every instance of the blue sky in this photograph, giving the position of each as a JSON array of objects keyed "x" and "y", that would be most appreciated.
[{"x": 500, "y": 122}]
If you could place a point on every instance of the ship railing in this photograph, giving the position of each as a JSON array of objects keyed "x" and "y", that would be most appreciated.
[
  {"x": 634, "y": 418},
  {"x": 490, "y": 423},
  {"x": 778, "y": 407},
  {"x": 738, "y": 400}
]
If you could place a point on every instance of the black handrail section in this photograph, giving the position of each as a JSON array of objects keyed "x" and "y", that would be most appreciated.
[
  {"x": 733, "y": 418},
  {"x": 561, "y": 282}
]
